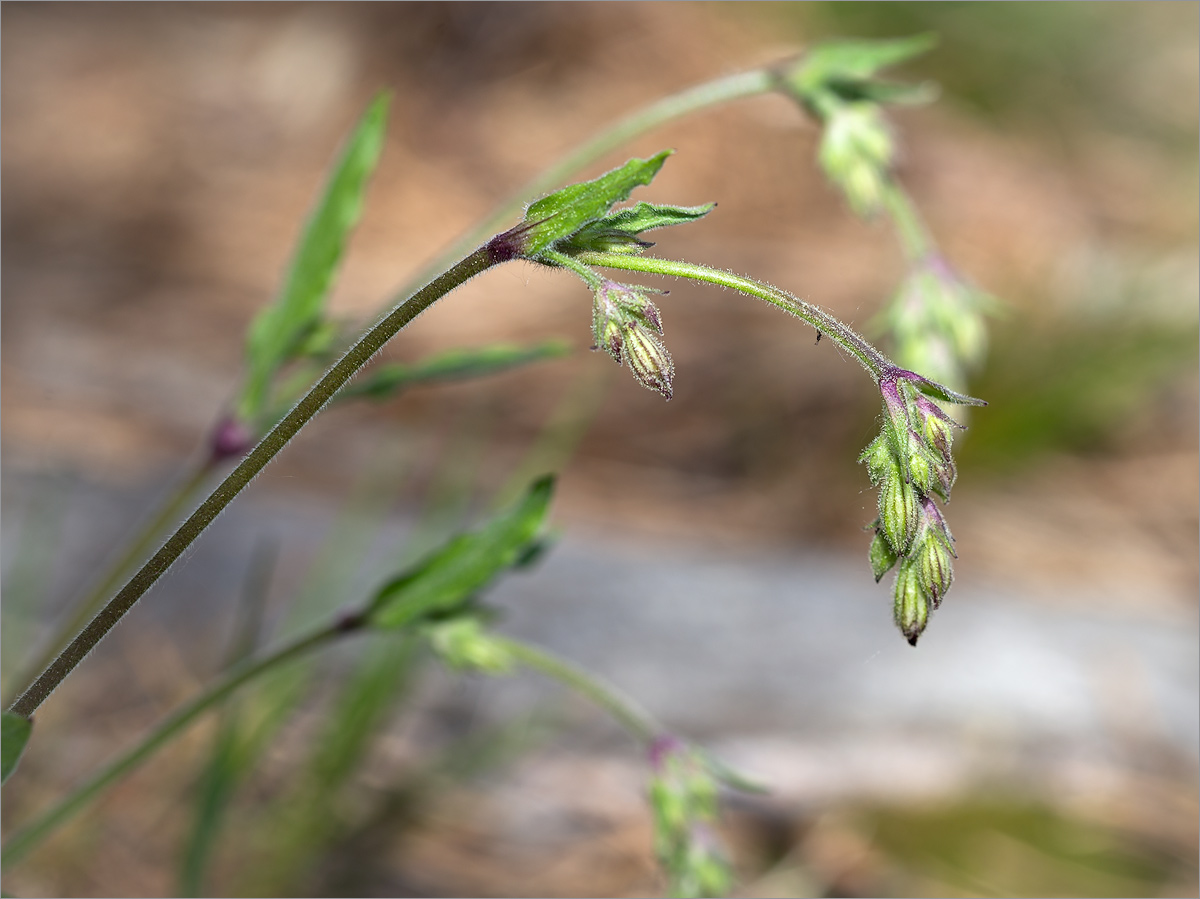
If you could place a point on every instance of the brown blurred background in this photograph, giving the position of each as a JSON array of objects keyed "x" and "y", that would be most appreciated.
[{"x": 158, "y": 161}]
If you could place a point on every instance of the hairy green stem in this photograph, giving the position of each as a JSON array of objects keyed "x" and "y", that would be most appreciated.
[
  {"x": 169, "y": 510},
  {"x": 693, "y": 99},
  {"x": 849, "y": 340},
  {"x": 914, "y": 237},
  {"x": 500, "y": 249},
  {"x": 624, "y": 709},
  {"x": 26, "y": 839}
]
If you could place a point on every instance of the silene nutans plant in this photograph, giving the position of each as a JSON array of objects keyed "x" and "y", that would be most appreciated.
[{"x": 298, "y": 360}]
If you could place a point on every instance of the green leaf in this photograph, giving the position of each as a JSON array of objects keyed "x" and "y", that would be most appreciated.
[
  {"x": 280, "y": 331},
  {"x": 829, "y": 64},
  {"x": 564, "y": 212},
  {"x": 891, "y": 92},
  {"x": 450, "y": 576},
  {"x": 618, "y": 231},
  {"x": 14, "y": 734},
  {"x": 387, "y": 381},
  {"x": 941, "y": 391}
]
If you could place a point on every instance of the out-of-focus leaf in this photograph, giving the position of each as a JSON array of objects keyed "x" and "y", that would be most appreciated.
[
  {"x": 387, "y": 381},
  {"x": 853, "y": 61},
  {"x": 891, "y": 92},
  {"x": 466, "y": 564},
  {"x": 14, "y": 735},
  {"x": 564, "y": 212},
  {"x": 618, "y": 231},
  {"x": 281, "y": 331},
  {"x": 230, "y": 757}
]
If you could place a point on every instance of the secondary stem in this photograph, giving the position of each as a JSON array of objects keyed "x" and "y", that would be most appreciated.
[
  {"x": 625, "y": 710},
  {"x": 914, "y": 237},
  {"x": 86, "y": 607},
  {"x": 848, "y": 339},
  {"x": 494, "y": 252},
  {"x": 701, "y": 96},
  {"x": 25, "y": 840}
]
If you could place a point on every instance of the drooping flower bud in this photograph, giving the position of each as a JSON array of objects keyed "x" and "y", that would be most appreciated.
[
  {"x": 936, "y": 426},
  {"x": 898, "y": 513},
  {"x": 464, "y": 644},
  {"x": 880, "y": 460},
  {"x": 232, "y": 438},
  {"x": 649, "y": 360},
  {"x": 856, "y": 153},
  {"x": 911, "y": 607},
  {"x": 606, "y": 325},
  {"x": 624, "y": 322},
  {"x": 881, "y": 555},
  {"x": 934, "y": 568},
  {"x": 683, "y": 798}
]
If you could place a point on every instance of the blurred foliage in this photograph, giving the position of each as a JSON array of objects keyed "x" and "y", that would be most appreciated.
[
  {"x": 1006, "y": 847},
  {"x": 1048, "y": 64},
  {"x": 1076, "y": 388}
]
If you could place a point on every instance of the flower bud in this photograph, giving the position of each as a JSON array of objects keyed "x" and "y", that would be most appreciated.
[
  {"x": 856, "y": 154},
  {"x": 882, "y": 556},
  {"x": 649, "y": 360},
  {"x": 898, "y": 513},
  {"x": 230, "y": 439},
  {"x": 934, "y": 566},
  {"x": 911, "y": 607},
  {"x": 462, "y": 643},
  {"x": 937, "y": 427},
  {"x": 880, "y": 460},
  {"x": 606, "y": 326}
]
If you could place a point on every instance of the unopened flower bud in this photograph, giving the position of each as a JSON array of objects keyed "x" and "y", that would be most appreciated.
[
  {"x": 652, "y": 317},
  {"x": 934, "y": 522},
  {"x": 462, "y": 643},
  {"x": 649, "y": 360},
  {"x": 230, "y": 439},
  {"x": 856, "y": 154},
  {"x": 606, "y": 326},
  {"x": 898, "y": 513},
  {"x": 936, "y": 426},
  {"x": 882, "y": 556},
  {"x": 880, "y": 460},
  {"x": 911, "y": 607},
  {"x": 934, "y": 568}
]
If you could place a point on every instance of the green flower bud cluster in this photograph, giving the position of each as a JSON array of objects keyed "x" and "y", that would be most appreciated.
[
  {"x": 683, "y": 797},
  {"x": 856, "y": 153},
  {"x": 838, "y": 83},
  {"x": 463, "y": 643},
  {"x": 627, "y": 325},
  {"x": 936, "y": 321},
  {"x": 911, "y": 462}
]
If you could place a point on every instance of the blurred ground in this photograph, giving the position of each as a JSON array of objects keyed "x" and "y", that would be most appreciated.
[{"x": 157, "y": 162}]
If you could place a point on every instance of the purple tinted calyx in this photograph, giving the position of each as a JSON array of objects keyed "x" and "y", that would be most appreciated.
[{"x": 231, "y": 438}]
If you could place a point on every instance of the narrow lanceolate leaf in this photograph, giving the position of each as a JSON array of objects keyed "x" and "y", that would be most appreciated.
[
  {"x": 619, "y": 231},
  {"x": 14, "y": 734},
  {"x": 388, "y": 381},
  {"x": 281, "y": 330},
  {"x": 564, "y": 212},
  {"x": 848, "y": 61},
  {"x": 450, "y": 576}
]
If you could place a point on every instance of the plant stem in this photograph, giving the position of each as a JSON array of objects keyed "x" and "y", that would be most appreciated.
[
  {"x": 86, "y": 606},
  {"x": 692, "y": 99},
  {"x": 500, "y": 249},
  {"x": 914, "y": 237},
  {"x": 872, "y": 360},
  {"x": 624, "y": 709},
  {"x": 25, "y": 840}
]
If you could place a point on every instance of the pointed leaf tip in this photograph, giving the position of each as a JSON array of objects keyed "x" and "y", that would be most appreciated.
[
  {"x": 566, "y": 211},
  {"x": 14, "y": 736}
]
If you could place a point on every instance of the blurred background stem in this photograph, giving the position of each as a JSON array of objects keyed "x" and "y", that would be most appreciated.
[{"x": 30, "y": 836}]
